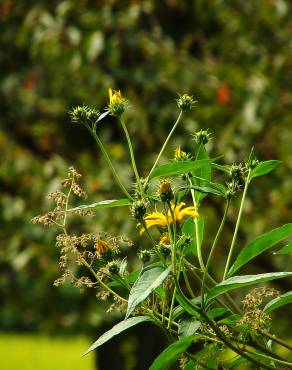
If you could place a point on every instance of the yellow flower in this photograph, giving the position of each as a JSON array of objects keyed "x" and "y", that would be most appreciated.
[
  {"x": 117, "y": 104},
  {"x": 115, "y": 96},
  {"x": 180, "y": 155},
  {"x": 159, "y": 219}
]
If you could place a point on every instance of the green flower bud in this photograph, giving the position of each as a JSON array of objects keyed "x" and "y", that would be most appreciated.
[
  {"x": 138, "y": 209},
  {"x": 113, "y": 267},
  {"x": 202, "y": 137},
  {"x": 84, "y": 115},
  {"x": 145, "y": 255},
  {"x": 185, "y": 102}
]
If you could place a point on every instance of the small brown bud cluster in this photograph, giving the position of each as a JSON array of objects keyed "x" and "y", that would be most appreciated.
[
  {"x": 165, "y": 191},
  {"x": 253, "y": 318}
]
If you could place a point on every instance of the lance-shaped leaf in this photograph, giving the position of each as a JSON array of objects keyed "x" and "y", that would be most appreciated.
[
  {"x": 241, "y": 281},
  {"x": 188, "y": 326},
  {"x": 178, "y": 168},
  {"x": 103, "y": 204},
  {"x": 259, "y": 245},
  {"x": 278, "y": 302},
  {"x": 117, "y": 329},
  {"x": 263, "y": 168},
  {"x": 147, "y": 282},
  {"x": 171, "y": 354},
  {"x": 204, "y": 189}
]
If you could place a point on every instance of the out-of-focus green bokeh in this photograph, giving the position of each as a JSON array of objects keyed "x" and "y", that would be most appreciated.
[
  {"x": 29, "y": 352},
  {"x": 235, "y": 57}
]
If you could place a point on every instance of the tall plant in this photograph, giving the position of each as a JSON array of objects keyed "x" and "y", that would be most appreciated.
[{"x": 163, "y": 291}]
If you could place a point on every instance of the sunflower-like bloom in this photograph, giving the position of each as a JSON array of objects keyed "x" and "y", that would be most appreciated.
[
  {"x": 159, "y": 219},
  {"x": 117, "y": 104},
  {"x": 115, "y": 96}
]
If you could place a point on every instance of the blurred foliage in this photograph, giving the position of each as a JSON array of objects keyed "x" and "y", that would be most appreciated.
[
  {"x": 53, "y": 353},
  {"x": 235, "y": 57}
]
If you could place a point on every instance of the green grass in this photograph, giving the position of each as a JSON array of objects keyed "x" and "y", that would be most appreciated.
[{"x": 34, "y": 352}]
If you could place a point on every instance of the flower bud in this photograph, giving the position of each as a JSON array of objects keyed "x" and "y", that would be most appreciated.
[
  {"x": 117, "y": 104},
  {"x": 84, "y": 115},
  {"x": 145, "y": 255},
  {"x": 236, "y": 171},
  {"x": 180, "y": 155},
  {"x": 165, "y": 250},
  {"x": 202, "y": 137},
  {"x": 138, "y": 209},
  {"x": 113, "y": 267},
  {"x": 165, "y": 191},
  {"x": 185, "y": 102}
]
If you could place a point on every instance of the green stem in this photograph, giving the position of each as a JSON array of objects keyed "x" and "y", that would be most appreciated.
[
  {"x": 171, "y": 308},
  {"x": 163, "y": 147},
  {"x": 236, "y": 226},
  {"x": 104, "y": 285},
  {"x": 109, "y": 162},
  {"x": 131, "y": 154},
  {"x": 269, "y": 358},
  {"x": 198, "y": 242},
  {"x": 187, "y": 282},
  {"x": 174, "y": 240},
  {"x": 217, "y": 330},
  {"x": 276, "y": 339},
  {"x": 213, "y": 250},
  {"x": 153, "y": 243}
]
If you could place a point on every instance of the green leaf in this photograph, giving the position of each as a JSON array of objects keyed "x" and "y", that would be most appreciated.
[
  {"x": 178, "y": 168},
  {"x": 179, "y": 310},
  {"x": 171, "y": 354},
  {"x": 131, "y": 278},
  {"x": 278, "y": 302},
  {"x": 230, "y": 320},
  {"x": 221, "y": 167},
  {"x": 117, "y": 329},
  {"x": 188, "y": 229},
  {"x": 214, "y": 313},
  {"x": 259, "y": 245},
  {"x": 204, "y": 189},
  {"x": 287, "y": 249},
  {"x": 241, "y": 281},
  {"x": 188, "y": 326},
  {"x": 103, "y": 204},
  {"x": 203, "y": 174},
  {"x": 263, "y": 168},
  {"x": 147, "y": 282}
]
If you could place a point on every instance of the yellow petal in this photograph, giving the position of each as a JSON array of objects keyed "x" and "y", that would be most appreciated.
[{"x": 110, "y": 92}]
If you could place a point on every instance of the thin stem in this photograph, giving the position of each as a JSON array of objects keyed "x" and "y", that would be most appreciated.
[
  {"x": 229, "y": 344},
  {"x": 109, "y": 162},
  {"x": 153, "y": 243},
  {"x": 104, "y": 285},
  {"x": 131, "y": 154},
  {"x": 174, "y": 241},
  {"x": 236, "y": 226},
  {"x": 198, "y": 242},
  {"x": 218, "y": 331},
  {"x": 171, "y": 308},
  {"x": 276, "y": 339},
  {"x": 213, "y": 250},
  {"x": 269, "y": 358},
  {"x": 187, "y": 282},
  {"x": 164, "y": 146}
]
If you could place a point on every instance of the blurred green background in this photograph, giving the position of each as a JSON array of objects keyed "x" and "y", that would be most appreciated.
[{"x": 235, "y": 57}]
